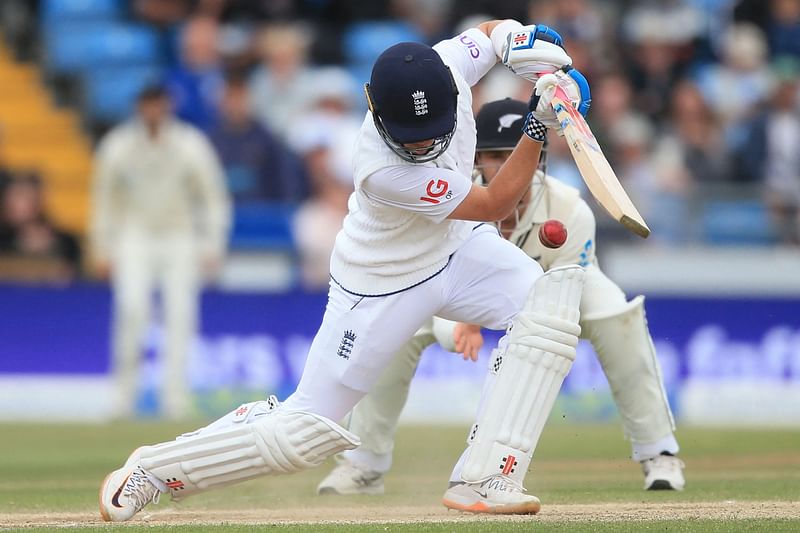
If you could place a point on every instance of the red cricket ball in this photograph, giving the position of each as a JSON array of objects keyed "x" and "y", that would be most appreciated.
[{"x": 553, "y": 234}]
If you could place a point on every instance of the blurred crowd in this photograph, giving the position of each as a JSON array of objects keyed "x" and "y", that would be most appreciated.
[
  {"x": 694, "y": 102},
  {"x": 32, "y": 247}
]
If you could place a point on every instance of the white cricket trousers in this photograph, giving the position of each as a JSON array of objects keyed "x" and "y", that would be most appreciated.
[
  {"x": 486, "y": 282},
  {"x": 144, "y": 264}
]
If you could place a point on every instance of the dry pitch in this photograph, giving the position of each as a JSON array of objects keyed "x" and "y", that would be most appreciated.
[
  {"x": 325, "y": 513},
  {"x": 738, "y": 480}
]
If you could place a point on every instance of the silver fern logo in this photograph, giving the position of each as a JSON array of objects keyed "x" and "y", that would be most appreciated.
[
  {"x": 420, "y": 103},
  {"x": 507, "y": 120}
]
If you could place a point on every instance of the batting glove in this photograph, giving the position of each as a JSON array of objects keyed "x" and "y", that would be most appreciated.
[
  {"x": 529, "y": 51},
  {"x": 575, "y": 87}
]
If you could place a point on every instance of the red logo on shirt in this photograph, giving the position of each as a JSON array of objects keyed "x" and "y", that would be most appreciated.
[{"x": 436, "y": 189}]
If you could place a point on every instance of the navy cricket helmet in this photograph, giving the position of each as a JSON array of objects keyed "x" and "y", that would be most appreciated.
[{"x": 413, "y": 97}]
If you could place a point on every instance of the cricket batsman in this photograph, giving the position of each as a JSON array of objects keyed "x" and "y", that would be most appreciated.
[
  {"x": 616, "y": 328},
  {"x": 414, "y": 244}
]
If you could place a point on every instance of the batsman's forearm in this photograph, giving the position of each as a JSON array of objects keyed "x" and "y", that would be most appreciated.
[
  {"x": 489, "y": 26},
  {"x": 514, "y": 177},
  {"x": 502, "y": 195}
]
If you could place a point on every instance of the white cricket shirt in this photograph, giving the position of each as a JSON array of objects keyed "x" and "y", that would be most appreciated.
[
  {"x": 169, "y": 185},
  {"x": 396, "y": 234}
]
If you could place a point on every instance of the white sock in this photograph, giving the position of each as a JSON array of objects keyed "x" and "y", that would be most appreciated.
[
  {"x": 369, "y": 460},
  {"x": 647, "y": 450}
]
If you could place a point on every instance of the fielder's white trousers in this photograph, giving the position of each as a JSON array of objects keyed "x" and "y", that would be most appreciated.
[
  {"x": 486, "y": 282},
  {"x": 143, "y": 265}
]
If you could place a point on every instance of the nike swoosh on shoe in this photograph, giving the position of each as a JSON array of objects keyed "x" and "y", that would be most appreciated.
[{"x": 115, "y": 499}]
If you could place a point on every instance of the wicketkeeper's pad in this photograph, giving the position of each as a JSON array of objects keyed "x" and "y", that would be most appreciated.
[{"x": 623, "y": 344}]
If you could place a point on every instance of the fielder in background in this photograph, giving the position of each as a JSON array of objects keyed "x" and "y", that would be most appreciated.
[
  {"x": 616, "y": 328},
  {"x": 160, "y": 221},
  {"x": 414, "y": 244}
]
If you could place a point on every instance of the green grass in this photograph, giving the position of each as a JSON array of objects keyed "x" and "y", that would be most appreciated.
[
  {"x": 713, "y": 526},
  {"x": 58, "y": 469}
]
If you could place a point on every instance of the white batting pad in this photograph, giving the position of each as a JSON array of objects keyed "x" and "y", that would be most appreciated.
[
  {"x": 541, "y": 348},
  {"x": 277, "y": 443}
]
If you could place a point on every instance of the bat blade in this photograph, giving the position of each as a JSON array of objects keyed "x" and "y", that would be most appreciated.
[{"x": 594, "y": 167}]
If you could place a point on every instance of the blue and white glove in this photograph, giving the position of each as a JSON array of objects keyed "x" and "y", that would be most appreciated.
[
  {"x": 529, "y": 51},
  {"x": 574, "y": 85}
]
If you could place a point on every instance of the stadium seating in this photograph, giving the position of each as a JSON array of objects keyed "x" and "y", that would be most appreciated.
[
  {"x": 263, "y": 225},
  {"x": 90, "y": 45},
  {"x": 37, "y": 135},
  {"x": 364, "y": 41},
  {"x": 110, "y": 92},
  {"x": 74, "y": 48},
  {"x": 65, "y": 10},
  {"x": 737, "y": 222}
]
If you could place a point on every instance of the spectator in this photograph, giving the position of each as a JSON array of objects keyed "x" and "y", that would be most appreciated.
[
  {"x": 772, "y": 155},
  {"x": 661, "y": 34},
  {"x": 670, "y": 21},
  {"x": 319, "y": 219},
  {"x": 428, "y": 17},
  {"x": 282, "y": 85},
  {"x": 500, "y": 83},
  {"x": 31, "y": 246},
  {"x": 258, "y": 166},
  {"x": 751, "y": 11},
  {"x": 655, "y": 68},
  {"x": 575, "y": 19},
  {"x": 693, "y": 139},
  {"x": 736, "y": 85},
  {"x": 488, "y": 9},
  {"x": 783, "y": 28},
  {"x": 330, "y": 118},
  {"x": 162, "y": 12},
  {"x": 196, "y": 82},
  {"x": 612, "y": 104},
  {"x": 660, "y": 192},
  {"x": 325, "y": 136},
  {"x": 160, "y": 216},
  {"x": 581, "y": 25}
]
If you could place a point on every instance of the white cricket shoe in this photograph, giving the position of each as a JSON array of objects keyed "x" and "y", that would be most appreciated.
[
  {"x": 496, "y": 495},
  {"x": 350, "y": 478},
  {"x": 663, "y": 472},
  {"x": 126, "y": 491}
]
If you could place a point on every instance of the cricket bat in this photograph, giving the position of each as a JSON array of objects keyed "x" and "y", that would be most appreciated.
[{"x": 594, "y": 167}]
